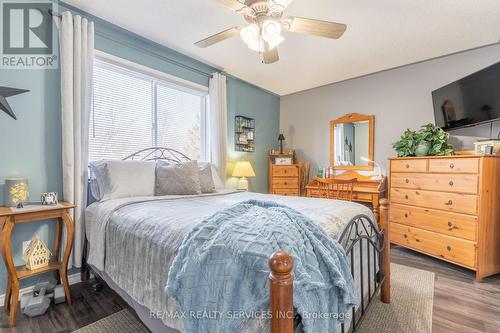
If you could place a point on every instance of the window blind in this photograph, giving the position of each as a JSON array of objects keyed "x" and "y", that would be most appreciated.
[
  {"x": 179, "y": 120},
  {"x": 132, "y": 111}
]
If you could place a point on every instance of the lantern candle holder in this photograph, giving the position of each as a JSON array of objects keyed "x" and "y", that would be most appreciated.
[{"x": 16, "y": 192}]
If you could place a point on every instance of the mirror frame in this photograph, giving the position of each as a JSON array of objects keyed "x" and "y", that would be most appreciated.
[{"x": 350, "y": 118}]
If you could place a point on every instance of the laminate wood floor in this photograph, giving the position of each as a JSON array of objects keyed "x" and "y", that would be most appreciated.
[{"x": 461, "y": 305}]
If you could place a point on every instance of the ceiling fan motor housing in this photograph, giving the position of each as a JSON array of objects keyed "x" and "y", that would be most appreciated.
[{"x": 257, "y": 11}]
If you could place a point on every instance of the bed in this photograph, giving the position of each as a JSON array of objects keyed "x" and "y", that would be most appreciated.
[{"x": 153, "y": 229}]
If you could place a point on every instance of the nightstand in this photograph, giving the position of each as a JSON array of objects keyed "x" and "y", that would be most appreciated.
[{"x": 8, "y": 219}]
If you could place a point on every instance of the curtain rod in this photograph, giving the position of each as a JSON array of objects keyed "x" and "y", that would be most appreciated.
[
  {"x": 53, "y": 13},
  {"x": 174, "y": 62}
]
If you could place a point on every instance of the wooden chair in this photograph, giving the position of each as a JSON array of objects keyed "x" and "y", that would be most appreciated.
[{"x": 333, "y": 188}]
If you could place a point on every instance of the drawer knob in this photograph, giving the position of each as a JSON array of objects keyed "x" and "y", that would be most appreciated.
[
  {"x": 406, "y": 196},
  {"x": 285, "y": 170},
  {"x": 405, "y": 236},
  {"x": 448, "y": 248},
  {"x": 451, "y": 183},
  {"x": 450, "y": 224},
  {"x": 285, "y": 183},
  {"x": 407, "y": 180},
  {"x": 407, "y": 166},
  {"x": 449, "y": 203},
  {"x": 406, "y": 215},
  {"x": 452, "y": 165}
]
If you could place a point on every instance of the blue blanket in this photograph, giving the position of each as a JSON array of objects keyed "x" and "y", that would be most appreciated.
[{"x": 219, "y": 276}]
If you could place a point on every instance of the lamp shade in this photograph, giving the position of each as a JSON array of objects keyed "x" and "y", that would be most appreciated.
[
  {"x": 243, "y": 169},
  {"x": 16, "y": 191}
]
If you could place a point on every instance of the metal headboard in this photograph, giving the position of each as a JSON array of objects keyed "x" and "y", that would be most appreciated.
[{"x": 158, "y": 153}]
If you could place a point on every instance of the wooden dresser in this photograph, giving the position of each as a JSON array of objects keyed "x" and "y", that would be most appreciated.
[
  {"x": 449, "y": 208},
  {"x": 284, "y": 179}
]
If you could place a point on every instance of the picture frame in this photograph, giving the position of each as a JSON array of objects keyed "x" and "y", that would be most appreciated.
[{"x": 283, "y": 160}]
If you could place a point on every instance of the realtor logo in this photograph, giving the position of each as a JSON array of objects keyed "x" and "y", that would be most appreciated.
[{"x": 28, "y": 36}]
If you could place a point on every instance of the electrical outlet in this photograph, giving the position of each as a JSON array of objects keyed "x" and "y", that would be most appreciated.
[{"x": 25, "y": 245}]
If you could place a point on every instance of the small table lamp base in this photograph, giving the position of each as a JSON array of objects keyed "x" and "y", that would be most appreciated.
[{"x": 243, "y": 184}]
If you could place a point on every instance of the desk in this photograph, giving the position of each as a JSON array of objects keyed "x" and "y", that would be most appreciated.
[
  {"x": 8, "y": 219},
  {"x": 365, "y": 189}
]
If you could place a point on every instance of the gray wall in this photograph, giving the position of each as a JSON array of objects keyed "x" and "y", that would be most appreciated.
[{"x": 399, "y": 98}]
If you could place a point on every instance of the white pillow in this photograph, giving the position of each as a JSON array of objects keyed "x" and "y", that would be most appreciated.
[{"x": 119, "y": 179}]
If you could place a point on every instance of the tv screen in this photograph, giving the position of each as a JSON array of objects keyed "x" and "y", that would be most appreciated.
[{"x": 468, "y": 101}]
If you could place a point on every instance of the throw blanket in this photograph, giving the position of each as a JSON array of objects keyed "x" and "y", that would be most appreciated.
[{"x": 219, "y": 276}]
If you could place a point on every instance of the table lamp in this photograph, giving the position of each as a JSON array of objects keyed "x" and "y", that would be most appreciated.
[
  {"x": 281, "y": 138},
  {"x": 243, "y": 169},
  {"x": 16, "y": 192}
]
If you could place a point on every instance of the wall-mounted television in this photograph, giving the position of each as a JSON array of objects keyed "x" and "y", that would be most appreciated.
[{"x": 469, "y": 101}]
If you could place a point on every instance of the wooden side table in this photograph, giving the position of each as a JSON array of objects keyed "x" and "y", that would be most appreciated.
[{"x": 8, "y": 219}]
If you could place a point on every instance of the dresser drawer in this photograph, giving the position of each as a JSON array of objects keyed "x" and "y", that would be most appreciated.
[
  {"x": 451, "y": 224},
  {"x": 286, "y": 182},
  {"x": 453, "y": 249},
  {"x": 286, "y": 192},
  {"x": 454, "y": 165},
  {"x": 453, "y": 202},
  {"x": 464, "y": 183},
  {"x": 417, "y": 165},
  {"x": 285, "y": 170}
]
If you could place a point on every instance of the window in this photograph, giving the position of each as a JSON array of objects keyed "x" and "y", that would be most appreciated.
[{"x": 133, "y": 110}]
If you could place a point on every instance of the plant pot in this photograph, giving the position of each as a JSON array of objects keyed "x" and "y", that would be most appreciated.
[{"x": 423, "y": 148}]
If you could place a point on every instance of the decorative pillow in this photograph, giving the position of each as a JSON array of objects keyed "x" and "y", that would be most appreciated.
[
  {"x": 177, "y": 179},
  {"x": 206, "y": 179},
  {"x": 112, "y": 179}
]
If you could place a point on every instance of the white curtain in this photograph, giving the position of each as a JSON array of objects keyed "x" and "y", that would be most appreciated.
[
  {"x": 218, "y": 123},
  {"x": 77, "y": 54}
]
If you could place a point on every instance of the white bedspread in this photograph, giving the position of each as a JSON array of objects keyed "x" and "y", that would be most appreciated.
[{"x": 134, "y": 240}]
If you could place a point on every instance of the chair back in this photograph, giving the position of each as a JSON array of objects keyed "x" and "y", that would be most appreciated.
[{"x": 333, "y": 188}]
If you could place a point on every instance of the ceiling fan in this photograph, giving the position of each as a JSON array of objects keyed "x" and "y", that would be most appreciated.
[{"x": 265, "y": 25}]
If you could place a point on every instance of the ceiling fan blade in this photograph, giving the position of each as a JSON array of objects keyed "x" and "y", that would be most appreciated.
[
  {"x": 218, "y": 37},
  {"x": 232, "y": 4},
  {"x": 316, "y": 27},
  {"x": 270, "y": 55}
]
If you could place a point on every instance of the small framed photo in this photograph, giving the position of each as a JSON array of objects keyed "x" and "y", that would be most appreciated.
[
  {"x": 488, "y": 150},
  {"x": 283, "y": 161},
  {"x": 49, "y": 198}
]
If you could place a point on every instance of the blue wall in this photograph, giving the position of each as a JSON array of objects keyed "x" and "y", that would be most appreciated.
[
  {"x": 31, "y": 146},
  {"x": 250, "y": 101}
]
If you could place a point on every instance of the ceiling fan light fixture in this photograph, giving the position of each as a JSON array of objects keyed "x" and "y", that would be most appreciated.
[
  {"x": 271, "y": 30},
  {"x": 275, "y": 41},
  {"x": 250, "y": 34},
  {"x": 257, "y": 46}
]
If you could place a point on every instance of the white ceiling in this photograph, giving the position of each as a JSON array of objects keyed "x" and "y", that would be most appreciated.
[{"x": 381, "y": 34}]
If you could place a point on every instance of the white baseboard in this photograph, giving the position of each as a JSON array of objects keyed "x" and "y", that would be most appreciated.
[{"x": 72, "y": 279}]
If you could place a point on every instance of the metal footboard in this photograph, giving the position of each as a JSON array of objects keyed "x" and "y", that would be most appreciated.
[{"x": 361, "y": 232}]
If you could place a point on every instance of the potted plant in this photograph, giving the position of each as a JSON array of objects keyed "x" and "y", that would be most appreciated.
[
  {"x": 407, "y": 144},
  {"x": 430, "y": 140}
]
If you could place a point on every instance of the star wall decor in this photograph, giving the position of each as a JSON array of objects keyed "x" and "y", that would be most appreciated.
[{"x": 8, "y": 92}]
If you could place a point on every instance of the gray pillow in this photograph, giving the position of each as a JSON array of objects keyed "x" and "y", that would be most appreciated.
[
  {"x": 177, "y": 179},
  {"x": 206, "y": 178}
]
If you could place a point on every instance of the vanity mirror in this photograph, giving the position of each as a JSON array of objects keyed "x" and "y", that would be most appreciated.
[{"x": 351, "y": 142}]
